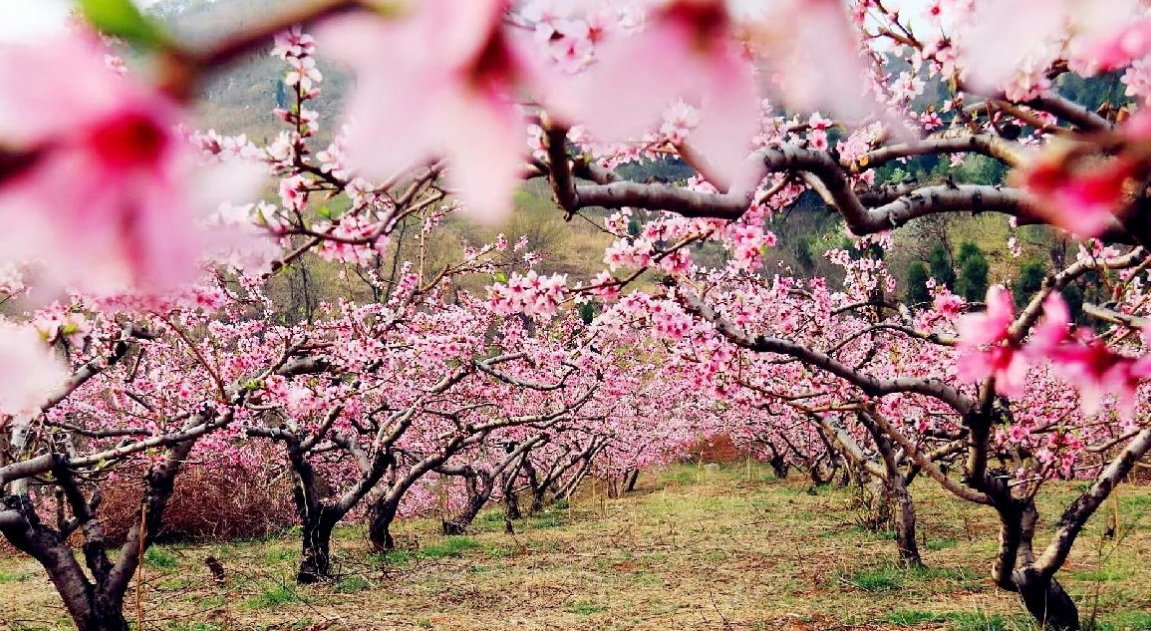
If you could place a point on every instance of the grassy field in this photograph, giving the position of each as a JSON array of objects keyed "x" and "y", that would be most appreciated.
[{"x": 692, "y": 548}]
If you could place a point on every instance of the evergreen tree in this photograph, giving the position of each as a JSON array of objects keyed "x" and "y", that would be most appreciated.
[
  {"x": 940, "y": 267},
  {"x": 1030, "y": 280},
  {"x": 973, "y": 271},
  {"x": 281, "y": 95},
  {"x": 917, "y": 284}
]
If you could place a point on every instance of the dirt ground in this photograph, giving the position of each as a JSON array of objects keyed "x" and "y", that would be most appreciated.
[{"x": 693, "y": 548}]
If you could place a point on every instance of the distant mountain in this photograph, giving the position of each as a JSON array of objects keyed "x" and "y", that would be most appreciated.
[{"x": 240, "y": 97}]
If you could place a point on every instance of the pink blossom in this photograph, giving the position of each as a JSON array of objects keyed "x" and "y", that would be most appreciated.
[
  {"x": 1096, "y": 371},
  {"x": 947, "y": 304},
  {"x": 33, "y": 371},
  {"x": 986, "y": 347},
  {"x": 1053, "y": 331},
  {"x": 454, "y": 99},
  {"x": 1081, "y": 200},
  {"x": 109, "y": 196},
  {"x": 531, "y": 294},
  {"x": 684, "y": 52}
]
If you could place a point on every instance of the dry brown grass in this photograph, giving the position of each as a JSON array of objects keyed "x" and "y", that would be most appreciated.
[{"x": 695, "y": 548}]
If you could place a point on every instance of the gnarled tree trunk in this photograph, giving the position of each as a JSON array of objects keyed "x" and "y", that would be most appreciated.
[
  {"x": 316, "y": 549},
  {"x": 632, "y": 478},
  {"x": 381, "y": 514}
]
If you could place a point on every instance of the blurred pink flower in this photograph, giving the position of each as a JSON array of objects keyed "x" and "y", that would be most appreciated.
[
  {"x": 1081, "y": 200},
  {"x": 415, "y": 101},
  {"x": 986, "y": 348},
  {"x": 686, "y": 51},
  {"x": 32, "y": 370},
  {"x": 1053, "y": 331},
  {"x": 1096, "y": 371},
  {"x": 106, "y": 199}
]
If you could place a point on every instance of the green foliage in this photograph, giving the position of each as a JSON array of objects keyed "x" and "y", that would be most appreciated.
[
  {"x": 281, "y": 95},
  {"x": 973, "y": 271},
  {"x": 122, "y": 19},
  {"x": 976, "y": 169},
  {"x": 917, "y": 292},
  {"x": 634, "y": 226},
  {"x": 804, "y": 252},
  {"x": 661, "y": 170},
  {"x": 589, "y": 310},
  {"x": 940, "y": 266},
  {"x": 1092, "y": 92}
]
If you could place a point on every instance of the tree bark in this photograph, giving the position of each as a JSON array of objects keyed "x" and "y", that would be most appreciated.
[
  {"x": 381, "y": 514},
  {"x": 779, "y": 466},
  {"x": 91, "y": 607},
  {"x": 480, "y": 488},
  {"x": 1046, "y": 601},
  {"x": 631, "y": 480},
  {"x": 316, "y": 555},
  {"x": 905, "y": 524},
  {"x": 897, "y": 489},
  {"x": 512, "y": 509}
]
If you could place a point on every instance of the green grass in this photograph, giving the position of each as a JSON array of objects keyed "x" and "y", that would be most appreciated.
[
  {"x": 353, "y": 583},
  {"x": 450, "y": 547},
  {"x": 935, "y": 545},
  {"x": 272, "y": 598},
  {"x": 14, "y": 577},
  {"x": 193, "y": 626},
  {"x": 694, "y": 543},
  {"x": 959, "y": 621},
  {"x": 981, "y": 621},
  {"x": 1103, "y": 575},
  {"x": 277, "y": 556},
  {"x": 159, "y": 557},
  {"x": 544, "y": 521},
  {"x": 1126, "y": 621},
  {"x": 883, "y": 579},
  {"x": 585, "y": 608},
  {"x": 912, "y": 618}
]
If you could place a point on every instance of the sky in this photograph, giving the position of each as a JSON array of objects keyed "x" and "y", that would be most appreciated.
[{"x": 29, "y": 20}]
